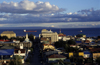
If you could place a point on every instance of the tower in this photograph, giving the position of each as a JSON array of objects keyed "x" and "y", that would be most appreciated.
[{"x": 27, "y": 39}]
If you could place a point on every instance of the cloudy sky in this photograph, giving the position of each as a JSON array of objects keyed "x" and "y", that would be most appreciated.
[{"x": 50, "y": 13}]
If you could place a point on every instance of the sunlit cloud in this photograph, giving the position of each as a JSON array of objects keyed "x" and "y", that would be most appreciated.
[
  {"x": 26, "y": 6},
  {"x": 43, "y": 14}
]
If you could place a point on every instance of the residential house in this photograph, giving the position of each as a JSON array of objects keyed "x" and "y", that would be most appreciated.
[
  {"x": 87, "y": 54},
  {"x": 48, "y": 46},
  {"x": 20, "y": 52},
  {"x": 81, "y": 35},
  {"x": 81, "y": 54},
  {"x": 51, "y": 52},
  {"x": 4, "y": 40},
  {"x": 95, "y": 50},
  {"x": 71, "y": 54},
  {"x": 78, "y": 42},
  {"x": 75, "y": 46},
  {"x": 62, "y": 36},
  {"x": 6, "y": 55},
  {"x": 55, "y": 57},
  {"x": 95, "y": 55},
  {"x": 46, "y": 40}
]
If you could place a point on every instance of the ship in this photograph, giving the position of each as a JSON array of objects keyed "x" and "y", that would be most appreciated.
[
  {"x": 80, "y": 30},
  {"x": 29, "y": 31}
]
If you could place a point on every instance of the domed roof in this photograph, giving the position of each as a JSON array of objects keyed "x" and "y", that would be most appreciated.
[{"x": 44, "y": 30}]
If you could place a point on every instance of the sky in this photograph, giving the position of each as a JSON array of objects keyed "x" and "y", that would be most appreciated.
[{"x": 50, "y": 13}]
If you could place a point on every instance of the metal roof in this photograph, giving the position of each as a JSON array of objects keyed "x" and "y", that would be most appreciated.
[{"x": 7, "y": 52}]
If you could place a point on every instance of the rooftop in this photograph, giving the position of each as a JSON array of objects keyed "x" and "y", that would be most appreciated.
[
  {"x": 7, "y": 52},
  {"x": 7, "y": 32},
  {"x": 56, "y": 56}
]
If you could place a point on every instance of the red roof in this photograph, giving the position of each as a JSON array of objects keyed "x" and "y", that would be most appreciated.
[
  {"x": 22, "y": 50},
  {"x": 61, "y": 34},
  {"x": 95, "y": 49},
  {"x": 4, "y": 40}
]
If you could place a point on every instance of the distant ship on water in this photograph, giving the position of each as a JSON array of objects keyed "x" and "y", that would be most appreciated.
[
  {"x": 80, "y": 30},
  {"x": 29, "y": 31}
]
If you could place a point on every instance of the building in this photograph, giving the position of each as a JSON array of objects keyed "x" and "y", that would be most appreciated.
[
  {"x": 9, "y": 34},
  {"x": 95, "y": 55},
  {"x": 49, "y": 34},
  {"x": 87, "y": 54},
  {"x": 81, "y": 35},
  {"x": 20, "y": 52},
  {"x": 6, "y": 55},
  {"x": 48, "y": 46},
  {"x": 25, "y": 44},
  {"x": 63, "y": 37},
  {"x": 56, "y": 57}
]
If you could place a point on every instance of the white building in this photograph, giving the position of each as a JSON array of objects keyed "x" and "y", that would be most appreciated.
[
  {"x": 49, "y": 34},
  {"x": 20, "y": 52}
]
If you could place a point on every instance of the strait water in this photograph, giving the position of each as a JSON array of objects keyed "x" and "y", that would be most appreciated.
[{"x": 89, "y": 32}]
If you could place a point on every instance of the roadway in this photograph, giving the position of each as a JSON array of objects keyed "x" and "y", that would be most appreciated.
[{"x": 35, "y": 60}]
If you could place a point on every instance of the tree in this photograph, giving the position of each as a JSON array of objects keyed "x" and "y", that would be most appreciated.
[
  {"x": 88, "y": 60},
  {"x": 70, "y": 42},
  {"x": 16, "y": 60},
  {"x": 11, "y": 62},
  {"x": 31, "y": 37},
  {"x": 76, "y": 59},
  {"x": 4, "y": 37},
  {"x": 31, "y": 49},
  {"x": 60, "y": 43},
  {"x": 98, "y": 60},
  {"x": 98, "y": 37}
]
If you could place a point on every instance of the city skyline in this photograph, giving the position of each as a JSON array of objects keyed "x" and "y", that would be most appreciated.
[{"x": 48, "y": 13}]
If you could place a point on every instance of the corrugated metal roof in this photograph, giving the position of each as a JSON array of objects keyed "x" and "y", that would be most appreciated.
[
  {"x": 7, "y": 52},
  {"x": 56, "y": 56},
  {"x": 87, "y": 52},
  {"x": 51, "y": 52}
]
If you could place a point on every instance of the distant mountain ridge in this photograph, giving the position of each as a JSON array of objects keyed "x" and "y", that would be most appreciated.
[{"x": 27, "y": 28}]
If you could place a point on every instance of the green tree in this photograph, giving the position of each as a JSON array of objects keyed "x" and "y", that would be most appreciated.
[
  {"x": 70, "y": 42},
  {"x": 76, "y": 59},
  {"x": 88, "y": 60},
  {"x": 31, "y": 49},
  {"x": 31, "y": 37},
  {"x": 4, "y": 37},
  {"x": 60, "y": 43},
  {"x": 98, "y": 60},
  {"x": 16, "y": 60}
]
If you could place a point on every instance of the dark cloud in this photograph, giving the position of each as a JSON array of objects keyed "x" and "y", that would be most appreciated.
[{"x": 87, "y": 15}]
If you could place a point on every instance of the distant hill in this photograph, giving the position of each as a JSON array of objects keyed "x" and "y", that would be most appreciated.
[{"x": 27, "y": 28}]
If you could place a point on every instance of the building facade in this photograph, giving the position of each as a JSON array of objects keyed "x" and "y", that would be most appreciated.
[
  {"x": 9, "y": 34},
  {"x": 49, "y": 34}
]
